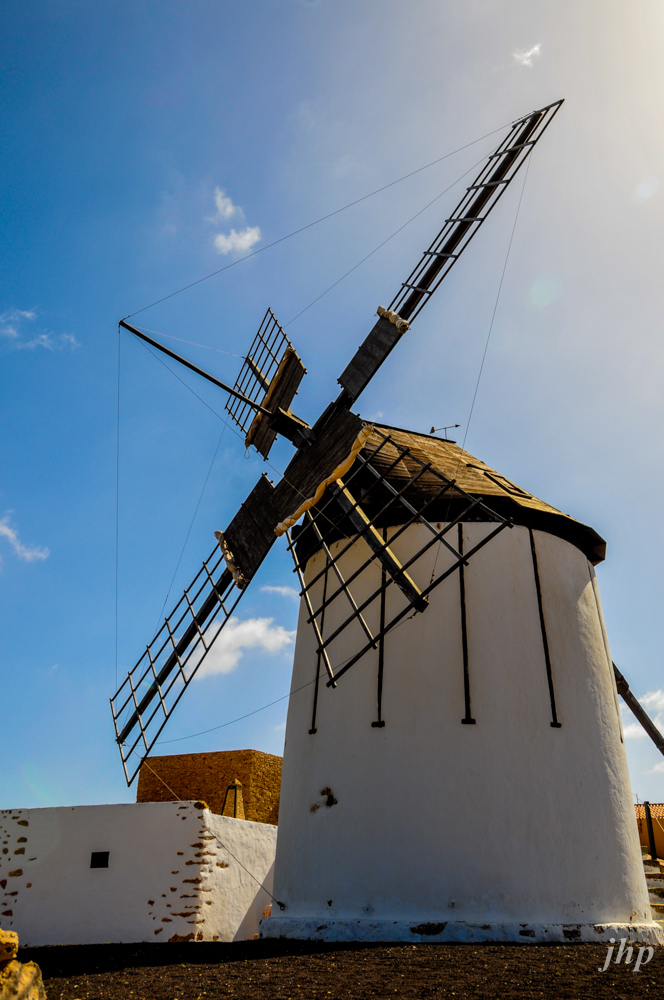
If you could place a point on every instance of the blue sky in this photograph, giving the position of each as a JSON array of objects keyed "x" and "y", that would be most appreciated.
[{"x": 136, "y": 138}]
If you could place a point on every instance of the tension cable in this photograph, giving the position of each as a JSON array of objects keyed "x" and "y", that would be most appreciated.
[{"x": 316, "y": 222}]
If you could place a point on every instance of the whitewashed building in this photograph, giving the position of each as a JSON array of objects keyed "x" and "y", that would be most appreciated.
[
  {"x": 466, "y": 780},
  {"x": 152, "y": 871}
]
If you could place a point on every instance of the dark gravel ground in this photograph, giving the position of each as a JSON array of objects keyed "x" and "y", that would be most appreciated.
[{"x": 274, "y": 970}]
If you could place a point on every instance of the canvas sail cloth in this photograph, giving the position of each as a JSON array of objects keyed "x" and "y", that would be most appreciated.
[{"x": 466, "y": 780}]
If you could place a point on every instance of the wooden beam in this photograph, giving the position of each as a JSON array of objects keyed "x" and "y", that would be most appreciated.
[
  {"x": 250, "y": 535},
  {"x": 310, "y": 466},
  {"x": 383, "y": 553},
  {"x": 187, "y": 364},
  {"x": 637, "y": 710},
  {"x": 283, "y": 387},
  {"x": 369, "y": 357}
]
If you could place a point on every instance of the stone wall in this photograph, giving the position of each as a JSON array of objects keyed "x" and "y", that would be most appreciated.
[{"x": 206, "y": 776}]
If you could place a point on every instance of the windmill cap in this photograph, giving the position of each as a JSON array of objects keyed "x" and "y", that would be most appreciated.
[{"x": 478, "y": 479}]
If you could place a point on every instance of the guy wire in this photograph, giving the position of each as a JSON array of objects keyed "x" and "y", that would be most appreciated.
[
  {"x": 223, "y": 846},
  {"x": 495, "y": 307},
  {"x": 309, "y": 225},
  {"x": 117, "y": 508},
  {"x": 486, "y": 346}
]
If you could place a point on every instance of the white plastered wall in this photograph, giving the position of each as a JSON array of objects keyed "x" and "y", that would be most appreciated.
[
  {"x": 175, "y": 873},
  {"x": 507, "y": 829}
]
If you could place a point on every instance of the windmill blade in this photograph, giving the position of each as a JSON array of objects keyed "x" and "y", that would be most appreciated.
[
  {"x": 398, "y": 488},
  {"x": 260, "y": 366},
  {"x": 270, "y": 377},
  {"x": 480, "y": 199},
  {"x": 145, "y": 701},
  {"x": 147, "y": 698},
  {"x": 272, "y": 369}
]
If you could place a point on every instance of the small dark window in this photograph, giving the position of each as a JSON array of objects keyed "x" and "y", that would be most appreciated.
[
  {"x": 99, "y": 859},
  {"x": 505, "y": 484}
]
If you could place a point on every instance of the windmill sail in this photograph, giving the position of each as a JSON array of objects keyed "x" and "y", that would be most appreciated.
[
  {"x": 144, "y": 702},
  {"x": 480, "y": 198},
  {"x": 390, "y": 488},
  {"x": 142, "y": 705},
  {"x": 271, "y": 374},
  {"x": 259, "y": 368}
]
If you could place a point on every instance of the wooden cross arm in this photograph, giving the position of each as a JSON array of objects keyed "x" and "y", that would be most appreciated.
[{"x": 383, "y": 553}]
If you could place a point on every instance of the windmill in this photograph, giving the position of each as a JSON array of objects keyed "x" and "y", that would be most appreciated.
[{"x": 377, "y": 519}]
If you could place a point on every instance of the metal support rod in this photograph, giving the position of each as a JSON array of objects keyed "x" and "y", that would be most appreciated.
[
  {"x": 357, "y": 612},
  {"x": 652, "y": 847},
  {"x": 468, "y": 719},
  {"x": 555, "y": 724},
  {"x": 194, "y": 368},
  {"x": 307, "y": 599},
  {"x": 380, "y": 722},
  {"x": 432, "y": 586},
  {"x": 314, "y": 708}
]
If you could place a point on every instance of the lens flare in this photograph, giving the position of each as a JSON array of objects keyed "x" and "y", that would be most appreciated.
[
  {"x": 646, "y": 189},
  {"x": 545, "y": 290}
]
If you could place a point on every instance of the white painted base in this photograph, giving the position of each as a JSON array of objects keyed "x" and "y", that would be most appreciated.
[{"x": 457, "y": 931}]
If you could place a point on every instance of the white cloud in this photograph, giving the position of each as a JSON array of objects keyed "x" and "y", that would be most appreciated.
[
  {"x": 12, "y": 324},
  {"x": 237, "y": 239},
  {"x": 49, "y": 342},
  {"x": 282, "y": 591},
  {"x": 526, "y": 58},
  {"x": 653, "y": 702},
  {"x": 28, "y": 553},
  {"x": 253, "y": 633},
  {"x": 11, "y": 319},
  {"x": 634, "y": 731},
  {"x": 226, "y": 209},
  {"x": 242, "y": 240}
]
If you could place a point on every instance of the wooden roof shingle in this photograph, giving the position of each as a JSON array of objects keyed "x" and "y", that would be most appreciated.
[{"x": 478, "y": 479}]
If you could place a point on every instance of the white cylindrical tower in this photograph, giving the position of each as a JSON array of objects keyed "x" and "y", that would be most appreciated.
[{"x": 466, "y": 779}]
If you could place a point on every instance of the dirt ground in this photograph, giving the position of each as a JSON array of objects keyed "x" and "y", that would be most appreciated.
[{"x": 267, "y": 970}]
